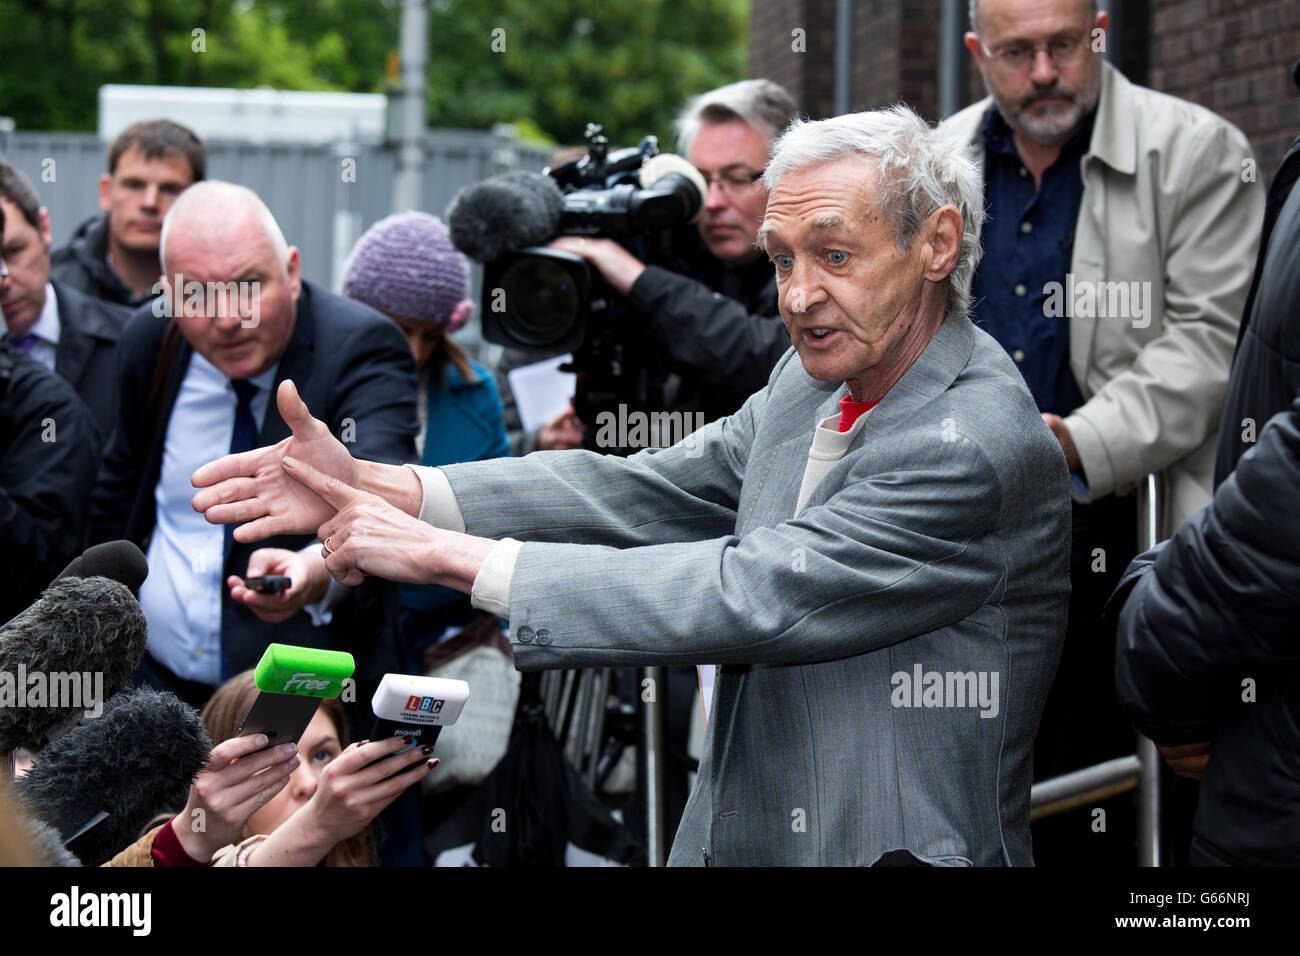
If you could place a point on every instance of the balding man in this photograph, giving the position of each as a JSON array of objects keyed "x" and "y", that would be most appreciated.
[
  {"x": 1117, "y": 253},
  {"x": 199, "y": 366}
]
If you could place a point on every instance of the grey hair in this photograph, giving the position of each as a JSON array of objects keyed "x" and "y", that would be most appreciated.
[
  {"x": 764, "y": 105},
  {"x": 921, "y": 169},
  {"x": 213, "y": 200},
  {"x": 973, "y": 11}
]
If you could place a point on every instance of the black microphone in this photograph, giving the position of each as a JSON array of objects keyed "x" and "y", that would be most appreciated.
[
  {"x": 119, "y": 560},
  {"x": 58, "y": 658},
  {"x": 99, "y": 784},
  {"x": 503, "y": 214}
]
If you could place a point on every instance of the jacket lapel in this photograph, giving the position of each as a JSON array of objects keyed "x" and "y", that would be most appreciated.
[
  {"x": 932, "y": 374},
  {"x": 75, "y": 344},
  {"x": 295, "y": 364}
]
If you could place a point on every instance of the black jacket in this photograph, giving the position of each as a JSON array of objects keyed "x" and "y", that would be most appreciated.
[
  {"x": 1206, "y": 640},
  {"x": 719, "y": 325},
  {"x": 83, "y": 264},
  {"x": 348, "y": 362},
  {"x": 49, "y": 452},
  {"x": 89, "y": 330}
]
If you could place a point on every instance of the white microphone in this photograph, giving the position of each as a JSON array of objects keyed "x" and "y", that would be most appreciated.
[{"x": 416, "y": 707}]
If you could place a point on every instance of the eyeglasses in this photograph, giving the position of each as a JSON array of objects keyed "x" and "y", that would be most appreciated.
[
  {"x": 1062, "y": 51},
  {"x": 734, "y": 180}
]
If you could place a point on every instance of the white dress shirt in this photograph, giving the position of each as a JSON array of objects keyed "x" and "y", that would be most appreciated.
[{"x": 181, "y": 596}]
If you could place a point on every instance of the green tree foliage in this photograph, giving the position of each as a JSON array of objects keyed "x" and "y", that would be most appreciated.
[
  {"x": 547, "y": 65},
  {"x": 563, "y": 63}
]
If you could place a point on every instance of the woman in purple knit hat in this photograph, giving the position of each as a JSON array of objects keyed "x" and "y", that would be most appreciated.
[{"x": 406, "y": 267}]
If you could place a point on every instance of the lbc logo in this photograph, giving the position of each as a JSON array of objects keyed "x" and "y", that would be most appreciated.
[{"x": 427, "y": 705}]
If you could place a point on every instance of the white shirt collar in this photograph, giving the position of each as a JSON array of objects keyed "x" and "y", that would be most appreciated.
[{"x": 47, "y": 326}]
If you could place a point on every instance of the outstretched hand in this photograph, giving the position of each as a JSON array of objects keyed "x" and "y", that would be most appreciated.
[
  {"x": 365, "y": 535},
  {"x": 253, "y": 488}
]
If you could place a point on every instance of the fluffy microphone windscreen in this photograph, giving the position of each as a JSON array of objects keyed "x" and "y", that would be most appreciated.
[
  {"x": 79, "y": 628},
  {"x": 138, "y": 758},
  {"x": 504, "y": 214}
]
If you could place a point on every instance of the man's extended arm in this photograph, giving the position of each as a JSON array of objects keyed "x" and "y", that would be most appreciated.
[
  {"x": 854, "y": 574},
  {"x": 684, "y": 493}
]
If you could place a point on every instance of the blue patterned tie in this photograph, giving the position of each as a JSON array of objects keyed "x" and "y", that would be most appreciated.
[
  {"x": 25, "y": 343},
  {"x": 244, "y": 436}
]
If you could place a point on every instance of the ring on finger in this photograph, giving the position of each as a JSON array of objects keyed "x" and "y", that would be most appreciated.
[{"x": 329, "y": 549}]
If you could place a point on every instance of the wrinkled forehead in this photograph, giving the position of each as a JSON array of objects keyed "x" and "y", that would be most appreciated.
[
  {"x": 820, "y": 198},
  {"x": 1030, "y": 19}
]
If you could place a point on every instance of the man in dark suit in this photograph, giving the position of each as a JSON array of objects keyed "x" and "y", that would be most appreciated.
[
  {"x": 66, "y": 331},
  {"x": 48, "y": 455},
  {"x": 199, "y": 366}
]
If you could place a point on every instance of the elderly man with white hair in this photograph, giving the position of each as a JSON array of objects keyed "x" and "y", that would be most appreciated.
[
  {"x": 869, "y": 548},
  {"x": 199, "y": 366}
]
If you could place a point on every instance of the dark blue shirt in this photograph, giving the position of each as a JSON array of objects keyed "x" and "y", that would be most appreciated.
[{"x": 1028, "y": 239}]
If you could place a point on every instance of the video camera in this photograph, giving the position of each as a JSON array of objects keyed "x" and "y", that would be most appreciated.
[{"x": 547, "y": 300}]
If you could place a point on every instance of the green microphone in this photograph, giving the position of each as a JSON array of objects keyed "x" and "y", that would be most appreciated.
[{"x": 293, "y": 681}]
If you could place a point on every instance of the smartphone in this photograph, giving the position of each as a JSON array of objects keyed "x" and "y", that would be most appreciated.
[
  {"x": 293, "y": 681},
  {"x": 268, "y": 583},
  {"x": 416, "y": 707}
]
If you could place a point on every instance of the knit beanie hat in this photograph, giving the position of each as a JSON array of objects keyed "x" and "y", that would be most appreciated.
[{"x": 406, "y": 265}]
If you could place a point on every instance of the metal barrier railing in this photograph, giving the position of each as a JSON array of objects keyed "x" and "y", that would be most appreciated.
[{"x": 1050, "y": 797}]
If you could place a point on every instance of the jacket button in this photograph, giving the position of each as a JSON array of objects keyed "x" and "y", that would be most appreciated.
[
  {"x": 1018, "y": 355},
  {"x": 543, "y": 635},
  {"x": 525, "y": 634}
]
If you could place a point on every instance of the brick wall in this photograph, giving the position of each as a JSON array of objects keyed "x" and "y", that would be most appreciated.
[
  {"x": 804, "y": 63},
  {"x": 894, "y": 51},
  {"x": 1235, "y": 57}
]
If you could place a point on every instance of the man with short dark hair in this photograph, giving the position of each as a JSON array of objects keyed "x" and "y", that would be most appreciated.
[
  {"x": 114, "y": 255},
  {"x": 69, "y": 333}
]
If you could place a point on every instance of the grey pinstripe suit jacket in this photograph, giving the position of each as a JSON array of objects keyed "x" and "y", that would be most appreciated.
[{"x": 941, "y": 540}]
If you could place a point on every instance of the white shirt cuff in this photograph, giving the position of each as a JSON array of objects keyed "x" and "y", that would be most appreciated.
[
  {"x": 438, "y": 507},
  {"x": 322, "y": 612},
  {"x": 491, "y": 591}
]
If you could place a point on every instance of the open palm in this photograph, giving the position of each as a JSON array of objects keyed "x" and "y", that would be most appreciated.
[{"x": 253, "y": 488}]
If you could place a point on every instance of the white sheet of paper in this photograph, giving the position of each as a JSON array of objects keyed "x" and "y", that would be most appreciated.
[
  {"x": 542, "y": 391},
  {"x": 707, "y": 672}
]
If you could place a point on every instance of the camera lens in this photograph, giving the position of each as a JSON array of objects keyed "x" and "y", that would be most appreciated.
[{"x": 542, "y": 300}]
